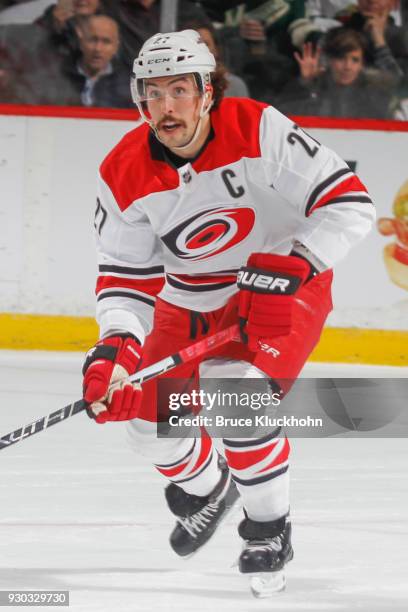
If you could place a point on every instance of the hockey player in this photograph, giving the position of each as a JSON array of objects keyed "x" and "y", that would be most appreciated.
[{"x": 205, "y": 188}]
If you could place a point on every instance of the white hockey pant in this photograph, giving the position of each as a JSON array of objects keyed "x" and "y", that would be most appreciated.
[{"x": 259, "y": 466}]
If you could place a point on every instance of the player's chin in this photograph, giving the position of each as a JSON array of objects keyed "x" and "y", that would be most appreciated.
[{"x": 176, "y": 137}]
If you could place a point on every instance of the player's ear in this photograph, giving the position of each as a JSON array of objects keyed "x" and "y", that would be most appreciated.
[{"x": 208, "y": 94}]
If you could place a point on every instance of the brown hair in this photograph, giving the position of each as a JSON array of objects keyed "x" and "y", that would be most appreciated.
[
  {"x": 340, "y": 41},
  {"x": 220, "y": 83},
  {"x": 218, "y": 77}
]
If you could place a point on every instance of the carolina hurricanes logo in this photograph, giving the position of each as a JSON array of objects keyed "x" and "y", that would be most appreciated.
[{"x": 210, "y": 232}]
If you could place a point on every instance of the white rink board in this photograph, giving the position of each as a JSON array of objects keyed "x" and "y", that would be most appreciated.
[
  {"x": 80, "y": 512},
  {"x": 48, "y": 174}
]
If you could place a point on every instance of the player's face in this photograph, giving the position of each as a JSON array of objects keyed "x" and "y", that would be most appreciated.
[
  {"x": 174, "y": 105},
  {"x": 345, "y": 70}
]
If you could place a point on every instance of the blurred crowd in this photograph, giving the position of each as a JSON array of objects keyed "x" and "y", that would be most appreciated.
[{"x": 333, "y": 58}]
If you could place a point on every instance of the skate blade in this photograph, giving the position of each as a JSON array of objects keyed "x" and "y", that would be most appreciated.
[{"x": 265, "y": 584}]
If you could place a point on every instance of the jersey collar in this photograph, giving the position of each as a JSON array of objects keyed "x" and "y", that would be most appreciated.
[{"x": 161, "y": 153}]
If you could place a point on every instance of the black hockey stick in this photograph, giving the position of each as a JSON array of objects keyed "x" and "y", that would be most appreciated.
[{"x": 198, "y": 349}]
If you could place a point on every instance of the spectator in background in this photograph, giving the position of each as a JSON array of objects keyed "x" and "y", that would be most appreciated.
[
  {"x": 140, "y": 19},
  {"x": 31, "y": 55},
  {"x": 258, "y": 47},
  {"x": 264, "y": 25},
  {"x": 96, "y": 75},
  {"x": 217, "y": 9},
  {"x": 236, "y": 86},
  {"x": 387, "y": 43},
  {"x": 30, "y": 67},
  {"x": 336, "y": 9},
  {"x": 344, "y": 89},
  {"x": 60, "y": 22}
]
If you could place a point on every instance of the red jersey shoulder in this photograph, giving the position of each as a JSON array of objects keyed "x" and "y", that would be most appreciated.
[
  {"x": 130, "y": 172},
  {"x": 236, "y": 124},
  {"x": 241, "y": 113}
]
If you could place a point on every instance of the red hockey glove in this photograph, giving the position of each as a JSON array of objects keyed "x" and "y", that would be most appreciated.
[
  {"x": 267, "y": 286},
  {"x": 109, "y": 361}
]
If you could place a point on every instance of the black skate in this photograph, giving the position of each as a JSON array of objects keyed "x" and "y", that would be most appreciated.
[
  {"x": 199, "y": 517},
  {"x": 267, "y": 549}
]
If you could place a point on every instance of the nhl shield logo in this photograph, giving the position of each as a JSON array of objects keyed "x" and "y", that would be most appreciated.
[{"x": 186, "y": 176}]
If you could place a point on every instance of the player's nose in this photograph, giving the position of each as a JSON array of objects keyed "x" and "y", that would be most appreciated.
[{"x": 167, "y": 103}]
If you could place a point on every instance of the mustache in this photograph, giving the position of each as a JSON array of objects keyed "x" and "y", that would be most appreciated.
[{"x": 172, "y": 119}]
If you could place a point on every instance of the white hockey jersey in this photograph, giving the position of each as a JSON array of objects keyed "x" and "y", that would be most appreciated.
[{"x": 260, "y": 184}]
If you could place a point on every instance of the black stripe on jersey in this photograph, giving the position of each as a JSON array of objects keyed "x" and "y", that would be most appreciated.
[
  {"x": 215, "y": 274},
  {"x": 250, "y": 443},
  {"x": 197, "y": 288},
  {"x": 206, "y": 464},
  {"x": 355, "y": 198},
  {"x": 322, "y": 186},
  {"x": 128, "y": 270},
  {"x": 125, "y": 294},
  {"x": 169, "y": 465},
  {"x": 260, "y": 479}
]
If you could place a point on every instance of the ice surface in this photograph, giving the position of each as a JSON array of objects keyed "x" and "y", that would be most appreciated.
[{"x": 80, "y": 512}]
